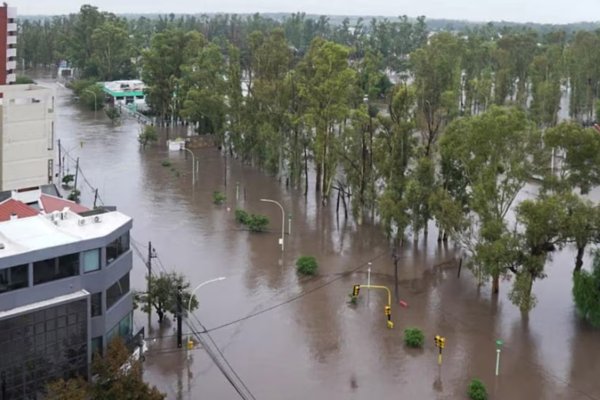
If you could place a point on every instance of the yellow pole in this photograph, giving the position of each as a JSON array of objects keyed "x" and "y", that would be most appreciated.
[
  {"x": 440, "y": 357},
  {"x": 380, "y": 287}
]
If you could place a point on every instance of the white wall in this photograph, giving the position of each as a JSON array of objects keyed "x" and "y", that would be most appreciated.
[{"x": 27, "y": 143}]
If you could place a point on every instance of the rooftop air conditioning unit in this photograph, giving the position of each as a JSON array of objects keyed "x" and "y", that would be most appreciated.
[
  {"x": 97, "y": 219},
  {"x": 81, "y": 221}
]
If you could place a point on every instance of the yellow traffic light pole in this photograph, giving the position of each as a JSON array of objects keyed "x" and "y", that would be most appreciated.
[
  {"x": 440, "y": 343},
  {"x": 388, "y": 308}
]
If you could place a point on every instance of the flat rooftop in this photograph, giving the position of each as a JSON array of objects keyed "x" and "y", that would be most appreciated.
[{"x": 22, "y": 235}]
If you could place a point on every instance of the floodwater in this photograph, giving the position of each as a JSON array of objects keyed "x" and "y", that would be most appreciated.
[{"x": 301, "y": 338}]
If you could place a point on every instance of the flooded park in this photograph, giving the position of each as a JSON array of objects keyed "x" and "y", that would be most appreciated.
[{"x": 291, "y": 337}]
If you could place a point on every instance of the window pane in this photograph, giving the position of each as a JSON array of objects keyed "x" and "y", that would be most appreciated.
[
  {"x": 117, "y": 290},
  {"x": 52, "y": 269},
  {"x": 97, "y": 346},
  {"x": 96, "y": 300},
  {"x": 91, "y": 260},
  {"x": 117, "y": 247},
  {"x": 13, "y": 278},
  {"x": 125, "y": 327}
]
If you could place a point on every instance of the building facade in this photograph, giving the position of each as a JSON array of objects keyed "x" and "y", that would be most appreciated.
[
  {"x": 64, "y": 294},
  {"x": 26, "y": 136},
  {"x": 8, "y": 44}
]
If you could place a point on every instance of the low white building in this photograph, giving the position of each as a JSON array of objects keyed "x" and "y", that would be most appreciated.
[{"x": 26, "y": 136}]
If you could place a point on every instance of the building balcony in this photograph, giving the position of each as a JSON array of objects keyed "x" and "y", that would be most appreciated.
[
  {"x": 11, "y": 39},
  {"x": 11, "y": 12},
  {"x": 11, "y": 78},
  {"x": 12, "y": 27},
  {"x": 11, "y": 65},
  {"x": 11, "y": 52}
]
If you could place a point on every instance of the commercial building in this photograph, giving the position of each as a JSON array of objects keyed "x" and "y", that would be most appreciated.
[
  {"x": 26, "y": 136},
  {"x": 8, "y": 44},
  {"x": 64, "y": 291},
  {"x": 128, "y": 93}
]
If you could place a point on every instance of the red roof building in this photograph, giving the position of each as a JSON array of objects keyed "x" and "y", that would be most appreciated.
[
  {"x": 11, "y": 208},
  {"x": 50, "y": 203}
]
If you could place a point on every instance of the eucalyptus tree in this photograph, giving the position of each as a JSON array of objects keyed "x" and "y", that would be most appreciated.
[
  {"x": 492, "y": 152},
  {"x": 326, "y": 83},
  {"x": 437, "y": 73},
  {"x": 547, "y": 70},
  {"x": 112, "y": 50},
  {"x": 584, "y": 74}
]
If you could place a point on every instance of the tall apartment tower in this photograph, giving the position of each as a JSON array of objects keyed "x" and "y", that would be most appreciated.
[{"x": 8, "y": 44}]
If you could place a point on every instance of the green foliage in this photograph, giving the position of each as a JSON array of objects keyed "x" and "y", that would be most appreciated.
[
  {"x": 219, "y": 197},
  {"x": 586, "y": 293},
  {"x": 22, "y": 79},
  {"x": 116, "y": 376},
  {"x": 254, "y": 222},
  {"x": 89, "y": 92},
  {"x": 113, "y": 113},
  {"x": 257, "y": 223},
  {"x": 67, "y": 179},
  {"x": 163, "y": 295},
  {"x": 307, "y": 265},
  {"x": 241, "y": 216},
  {"x": 74, "y": 195},
  {"x": 414, "y": 337},
  {"x": 476, "y": 390},
  {"x": 165, "y": 163},
  {"x": 147, "y": 135}
]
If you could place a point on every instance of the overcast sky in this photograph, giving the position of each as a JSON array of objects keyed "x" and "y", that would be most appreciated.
[{"x": 546, "y": 11}]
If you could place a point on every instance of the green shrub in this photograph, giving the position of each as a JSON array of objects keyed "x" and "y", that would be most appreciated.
[
  {"x": 113, "y": 113},
  {"x": 414, "y": 337},
  {"x": 307, "y": 265},
  {"x": 241, "y": 216},
  {"x": 74, "y": 195},
  {"x": 219, "y": 197},
  {"x": 67, "y": 179},
  {"x": 257, "y": 222},
  {"x": 148, "y": 134},
  {"x": 586, "y": 294},
  {"x": 165, "y": 163},
  {"x": 476, "y": 390},
  {"x": 22, "y": 79}
]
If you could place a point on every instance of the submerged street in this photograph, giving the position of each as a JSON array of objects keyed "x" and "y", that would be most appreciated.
[{"x": 292, "y": 337}]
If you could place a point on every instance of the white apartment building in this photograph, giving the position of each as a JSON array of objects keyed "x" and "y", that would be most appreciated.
[{"x": 26, "y": 136}]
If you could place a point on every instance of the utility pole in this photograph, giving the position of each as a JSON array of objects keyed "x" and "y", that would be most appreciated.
[
  {"x": 95, "y": 197},
  {"x": 59, "y": 158},
  {"x": 179, "y": 313},
  {"x": 76, "y": 173},
  {"x": 151, "y": 255}
]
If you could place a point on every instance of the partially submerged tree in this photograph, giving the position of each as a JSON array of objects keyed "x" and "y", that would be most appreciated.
[
  {"x": 586, "y": 292},
  {"x": 163, "y": 295},
  {"x": 148, "y": 134}
]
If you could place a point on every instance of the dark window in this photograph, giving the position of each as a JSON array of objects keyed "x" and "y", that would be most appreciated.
[
  {"x": 119, "y": 289},
  {"x": 96, "y": 300},
  {"x": 55, "y": 268},
  {"x": 96, "y": 346},
  {"x": 13, "y": 278},
  {"x": 117, "y": 247}
]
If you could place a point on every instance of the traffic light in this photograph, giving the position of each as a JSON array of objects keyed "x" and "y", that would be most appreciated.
[
  {"x": 388, "y": 312},
  {"x": 437, "y": 340},
  {"x": 442, "y": 343},
  {"x": 355, "y": 290}
]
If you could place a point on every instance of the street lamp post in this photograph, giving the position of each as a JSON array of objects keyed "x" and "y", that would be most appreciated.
[
  {"x": 95, "y": 102},
  {"x": 190, "y": 344},
  {"x": 193, "y": 165},
  {"x": 199, "y": 286},
  {"x": 282, "y": 219}
]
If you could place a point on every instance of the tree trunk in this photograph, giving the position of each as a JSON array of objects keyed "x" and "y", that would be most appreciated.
[
  {"x": 495, "y": 283},
  {"x": 579, "y": 258},
  {"x": 161, "y": 315}
]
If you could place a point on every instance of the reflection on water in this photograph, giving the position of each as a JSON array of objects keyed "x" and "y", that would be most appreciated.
[{"x": 305, "y": 340}]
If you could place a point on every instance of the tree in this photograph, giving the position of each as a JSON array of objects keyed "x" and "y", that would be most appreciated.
[
  {"x": 436, "y": 68},
  {"x": 112, "y": 50},
  {"x": 163, "y": 295},
  {"x": 71, "y": 389},
  {"x": 326, "y": 83},
  {"x": 586, "y": 293},
  {"x": 493, "y": 153},
  {"x": 148, "y": 134},
  {"x": 116, "y": 377}
]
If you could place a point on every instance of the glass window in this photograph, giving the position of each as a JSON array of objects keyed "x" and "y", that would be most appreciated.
[
  {"x": 126, "y": 326},
  {"x": 91, "y": 260},
  {"x": 14, "y": 278},
  {"x": 96, "y": 301},
  {"x": 117, "y": 291},
  {"x": 117, "y": 247},
  {"x": 55, "y": 268},
  {"x": 96, "y": 346}
]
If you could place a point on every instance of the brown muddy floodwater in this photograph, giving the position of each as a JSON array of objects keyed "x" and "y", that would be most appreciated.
[{"x": 303, "y": 340}]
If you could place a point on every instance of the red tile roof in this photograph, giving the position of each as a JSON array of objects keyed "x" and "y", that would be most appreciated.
[
  {"x": 11, "y": 207},
  {"x": 53, "y": 203}
]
